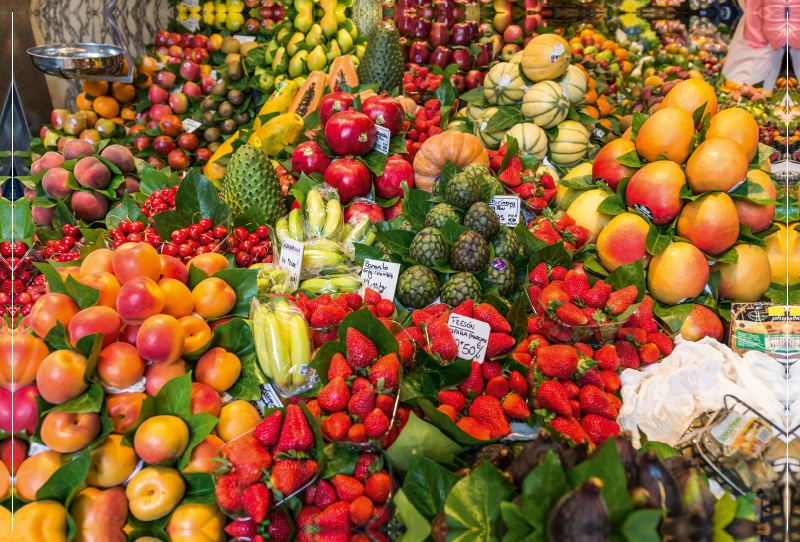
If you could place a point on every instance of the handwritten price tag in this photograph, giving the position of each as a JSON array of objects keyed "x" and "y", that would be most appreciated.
[
  {"x": 507, "y": 209},
  {"x": 382, "y": 140},
  {"x": 269, "y": 399},
  {"x": 190, "y": 125},
  {"x": 292, "y": 259},
  {"x": 381, "y": 277},
  {"x": 472, "y": 336},
  {"x": 244, "y": 39}
]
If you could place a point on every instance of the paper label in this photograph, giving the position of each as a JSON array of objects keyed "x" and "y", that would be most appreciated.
[
  {"x": 176, "y": 90},
  {"x": 382, "y": 139},
  {"x": 507, "y": 209},
  {"x": 192, "y": 24},
  {"x": 472, "y": 336},
  {"x": 557, "y": 51},
  {"x": 213, "y": 75},
  {"x": 744, "y": 432},
  {"x": 159, "y": 65},
  {"x": 599, "y": 133},
  {"x": 644, "y": 210},
  {"x": 381, "y": 277},
  {"x": 504, "y": 81},
  {"x": 292, "y": 259},
  {"x": 244, "y": 39},
  {"x": 190, "y": 4},
  {"x": 269, "y": 399},
  {"x": 190, "y": 125}
]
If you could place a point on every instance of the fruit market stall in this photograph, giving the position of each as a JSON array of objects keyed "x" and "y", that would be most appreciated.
[{"x": 364, "y": 272}]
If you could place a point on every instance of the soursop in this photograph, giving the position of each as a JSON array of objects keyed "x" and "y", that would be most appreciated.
[
  {"x": 428, "y": 246},
  {"x": 462, "y": 191},
  {"x": 418, "y": 287},
  {"x": 470, "y": 252},
  {"x": 366, "y": 14},
  {"x": 250, "y": 179},
  {"x": 382, "y": 62},
  {"x": 475, "y": 170},
  {"x": 505, "y": 244},
  {"x": 437, "y": 216},
  {"x": 435, "y": 189},
  {"x": 502, "y": 273},
  {"x": 482, "y": 219},
  {"x": 406, "y": 226},
  {"x": 460, "y": 287}
]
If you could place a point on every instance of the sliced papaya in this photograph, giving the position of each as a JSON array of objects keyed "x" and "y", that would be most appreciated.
[
  {"x": 307, "y": 98},
  {"x": 342, "y": 71}
]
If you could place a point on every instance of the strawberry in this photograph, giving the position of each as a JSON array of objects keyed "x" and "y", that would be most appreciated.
[
  {"x": 557, "y": 361},
  {"x": 597, "y": 296},
  {"x": 306, "y": 524},
  {"x": 268, "y": 430},
  {"x": 591, "y": 378},
  {"x": 279, "y": 528},
  {"x": 313, "y": 408},
  {"x": 498, "y": 387},
  {"x": 420, "y": 317},
  {"x": 436, "y": 310},
  {"x": 583, "y": 349},
  {"x": 489, "y": 412},
  {"x": 635, "y": 334},
  {"x": 628, "y": 357},
  {"x": 327, "y": 316},
  {"x": 649, "y": 353},
  {"x": 361, "y": 403},
  {"x": 632, "y": 321},
  {"x": 561, "y": 220},
  {"x": 385, "y": 308},
  {"x": 579, "y": 234},
  {"x": 576, "y": 408},
  {"x": 308, "y": 495},
  {"x": 491, "y": 369},
  {"x": 335, "y": 518},
  {"x": 594, "y": 401},
  {"x": 464, "y": 309},
  {"x": 538, "y": 276},
  {"x": 341, "y": 302},
  {"x": 645, "y": 309},
  {"x": 614, "y": 400},
  {"x": 575, "y": 284},
  {"x": 571, "y": 388},
  {"x": 511, "y": 177},
  {"x": 454, "y": 399},
  {"x": 339, "y": 367},
  {"x": 354, "y": 300},
  {"x": 379, "y": 487},
  {"x": 386, "y": 404},
  {"x": 360, "y": 350},
  {"x": 415, "y": 334},
  {"x": 599, "y": 429},
  {"x": 537, "y": 203},
  {"x": 242, "y": 528},
  {"x": 525, "y": 190},
  {"x": 553, "y": 396},
  {"x": 621, "y": 299},
  {"x": 663, "y": 342},
  {"x": 547, "y": 181},
  {"x": 515, "y": 407},
  {"x": 570, "y": 315},
  {"x": 474, "y": 428},
  {"x": 402, "y": 415},
  {"x": 535, "y": 324},
  {"x": 499, "y": 344},
  {"x": 290, "y": 475},
  {"x": 449, "y": 411},
  {"x": 376, "y": 424},
  {"x": 347, "y": 488},
  {"x": 522, "y": 358},
  {"x": 248, "y": 458},
  {"x": 319, "y": 301},
  {"x": 487, "y": 313},
  {"x": 360, "y": 510},
  {"x": 359, "y": 383},
  {"x": 371, "y": 297},
  {"x": 517, "y": 383},
  {"x": 607, "y": 358},
  {"x": 611, "y": 381},
  {"x": 334, "y": 396},
  {"x": 336, "y": 426},
  {"x": 570, "y": 428},
  {"x": 473, "y": 385},
  {"x": 296, "y": 433},
  {"x": 553, "y": 294},
  {"x": 385, "y": 374},
  {"x": 357, "y": 434},
  {"x": 535, "y": 295},
  {"x": 366, "y": 466},
  {"x": 556, "y": 332},
  {"x": 558, "y": 273},
  {"x": 445, "y": 345},
  {"x": 536, "y": 342},
  {"x": 648, "y": 324},
  {"x": 229, "y": 492},
  {"x": 257, "y": 500}
]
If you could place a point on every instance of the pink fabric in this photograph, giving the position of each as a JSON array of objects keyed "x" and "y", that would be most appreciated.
[{"x": 765, "y": 23}]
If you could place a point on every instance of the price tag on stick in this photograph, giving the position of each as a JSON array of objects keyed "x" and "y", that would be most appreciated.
[
  {"x": 292, "y": 260},
  {"x": 190, "y": 125},
  {"x": 244, "y": 39},
  {"x": 472, "y": 336},
  {"x": 382, "y": 140},
  {"x": 381, "y": 277},
  {"x": 507, "y": 209}
]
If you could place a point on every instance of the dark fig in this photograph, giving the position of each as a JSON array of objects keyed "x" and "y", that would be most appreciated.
[
  {"x": 629, "y": 458},
  {"x": 743, "y": 528},
  {"x": 439, "y": 528},
  {"x": 575, "y": 455},
  {"x": 665, "y": 494},
  {"x": 497, "y": 454},
  {"x": 580, "y": 516},
  {"x": 532, "y": 455},
  {"x": 692, "y": 528}
]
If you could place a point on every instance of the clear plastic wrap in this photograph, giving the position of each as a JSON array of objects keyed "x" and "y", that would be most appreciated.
[
  {"x": 293, "y": 225},
  {"x": 362, "y": 232},
  {"x": 323, "y": 213},
  {"x": 273, "y": 280},
  {"x": 341, "y": 283}
]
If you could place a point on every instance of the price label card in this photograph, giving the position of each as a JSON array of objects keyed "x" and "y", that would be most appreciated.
[
  {"x": 507, "y": 209},
  {"x": 192, "y": 24},
  {"x": 292, "y": 259},
  {"x": 269, "y": 399},
  {"x": 176, "y": 89},
  {"x": 190, "y": 125},
  {"x": 381, "y": 277},
  {"x": 382, "y": 140},
  {"x": 190, "y": 4},
  {"x": 599, "y": 134},
  {"x": 472, "y": 336},
  {"x": 213, "y": 75},
  {"x": 244, "y": 39}
]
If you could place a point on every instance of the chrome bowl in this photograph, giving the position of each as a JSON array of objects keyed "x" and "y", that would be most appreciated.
[{"x": 78, "y": 60}]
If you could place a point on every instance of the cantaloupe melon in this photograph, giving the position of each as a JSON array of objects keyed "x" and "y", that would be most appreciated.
[
  {"x": 545, "y": 57},
  {"x": 574, "y": 82},
  {"x": 570, "y": 145},
  {"x": 546, "y": 104},
  {"x": 531, "y": 139},
  {"x": 490, "y": 140},
  {"x": 503, "y": 84}
]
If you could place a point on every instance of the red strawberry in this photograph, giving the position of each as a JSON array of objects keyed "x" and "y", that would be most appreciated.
[
  {"x": 242, "y": 528},
  {"x": 649, "y": 353},
  {"x": 290, "y": 475},
  {"x": 445, "y": 345},
  {"x": 453, "y": 398},
  {"x": 334, "y": 396},
  {"x": 535, "y": 324},
  {"x": 306, "y": 524},
  {"x": 364, "y": 466},
  {"x": 361, "y": 403},
  {"x": 487, "y": 313},
  {"x": 335, "y": 518},
  {"x": 632, "y": 321},
  {"x": 583, "y": 349},
  {"x": 359, "y": 383},
  {"x": 296, "y": 433},
  {"x": 537, "y": 203},
  {"x": 538, "y": 276},
  {"x": 379, "y": 487},
  {"x": 257, "y": 500},
  {"x": 489, "y": 412},
  {"x": 406, "y": 347},
  {"x": 336, "y": 426},
  {"x": 536, "y": 342},
  {"x": 357, "y": 434},
  {"x": 570, "y": 315},
  {"x": 594, "y": 401},
  {"x": 556, "y": 332},
  {"x": 499, "y": 345},
  {"x": 607, "y": 356},
  {"x": 347, "y": 488},
  {"x": 354, "y": 300},
  {"x": 517, "y": 383},
  {"x": 576, "y": 283},
  {"x": 448, "y": 410},
  {"x": 570, "y": 428},
  {"x": 498, "y": 387},
  {"x": 535, "y": 295},
  {"x": 371, "y": 297},
  {"x": 553, "y": 396},
  {"x": 360, "y": 350},
  {"x": 385, "y": 374},
  {"x": 319, "y": 301},
  {"x": 474, "y": 428},
  {"x": 308, "y": 495},
  {"x": 561, "y": 220},
  {"x": 579, "y": 234},
  {"x": 385, "y": 308},
  {"x": 421, "y": 317},
  {"x": 645, "y": 309},
  {"x": 416, "y": 335},
  {"x": 614, "y": 400},
  {"x": 229, "y": 492},
  {"x": 663, "y": 342},
  {"x": 592, "y": 378},
  {"x": 386, "y": 404},
  {"x": 327, "y": 316},
  {"x": 628, "y": 357},
  {"x": 268, "y": 430},
  {"x": 473, "y": 385},
  {"x": 491, "y": 369},
  {"x": 339, "y": 367},
  {"x": 248, "y": 458},
  {"x": 522, "y": 357},
  {"x": 611, "y": 381},
  {"x": 555, "y": 294},
  {"x": 511, "y": 177},
  {"x": 637, "y": 334},
  {"x": 557, "y": 361},
  {"x": 620, "y": 300},
  {"x": 599, "y": 429},
  {"x": 279, "y": 528},
  {"x": 597, "y": 296},
  {"x": 571, "y": 388},
  {"x": 436, "y": 310},
  {"x": 558, "y": 273},
  {"x": 376, "y": 424},
  {"x": 515, "y": 407},
  {"x": 313, "y": 408},
  {"x": 361, "y": 510},
  {"x": 465, "y": 309},
  {"x": 525, "y": 190},
  {"x": 576, "y": 408}
]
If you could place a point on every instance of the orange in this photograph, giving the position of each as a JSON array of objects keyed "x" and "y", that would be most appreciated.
[
  {"x": 123, "y": 92},
  {"x": 591, "y": 82},
  {"x": 575, "y": 41},
  {"x": 691, "y": 94},
  {"x": 621, "y": 53},
  {"x": 118, "y": 120},
  {"x": 128, "y": 114},
  {"x": 590, "y": 96},
  {"x": 587, "y": 32},
  {"x": 592, "y": 111},
  {"x": 606, "y": 123},
  {"x": 83, "y": 102},
  {"x": 147, "y": 65},
  {"x": 604, "y": 106},
  {"x": 95, "y": 88},
  {"x": 106, "y": 106},
  {"x": 626, "y": 66},
  {"x": 610, "y": 45},
  {"x": 598, "y": 39},
  {"x": 143, "y": 80}
]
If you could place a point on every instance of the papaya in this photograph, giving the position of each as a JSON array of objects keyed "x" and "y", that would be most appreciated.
[
  {"x": 342, "y": 71},
  {"x": 277, "y": 132},
  {"x": 309, "y": 95}
]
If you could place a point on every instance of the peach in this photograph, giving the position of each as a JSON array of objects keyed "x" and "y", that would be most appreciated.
[
  {"x": 177, "y": 298},
  {"x": 655, "y": 190},
  {"x": 52, "y": 308},
  {"x": 605, "y": 164},
  {"x": 716, "y": 164},
  {"x": 758, "y": 217},
  {"x": 95, "y": 320},
  {"x": 77, "y": 148},
  {"x": 35, "y": 471},
  {"x": 119, "y": 366},
  {"x": 40, "y": 521},
  {"x": 205, "y": 399},
  {"x": 120, "y": 156},
  {"x": 128, "y": 334},
  {"x": 108, "y": 286},
  {"x": 138, "y": 300},
  {"x": 49, "y": 160},
  {"x": 133, "y": 260},
  {"x": 54, "y": 183},
  {"x": 161, "y": 438},
  {"x": 218, "y": 369},
  {"x": 154, "y": 492},
  {"x": 669, "y": 131},
  {"x": 160, "y": 339},
  {"x": 100, "y": 515},
  {"x": 123, "y": 409},
  {"x": 5, "y": 482},
  {"x": 213, "y": 298},
  {"x": 67, "y": 432},
  {"x": 157, "y": 375},
  {"x": 739, "y": 125},
  {"x": 98, "y": 261},
  {"x": 197, "y": 523},
  {"x": 92, "y": 173},
  {"x": 43, "y": 216},
  {"x": 622, "y": 241},
  {"x": 22, "y": 353},
  {"x": 173, "y": 268},
  {"x": 210, "y": 263},
  {"x": 701, "y": 322},
  {"x": 60, "y": 376},
  {"x": 235, "y": 419},
  {"x": 89, "y": 206},
  {"x": 201, "y": 458},
  {"x": 130, "y": 186},
  {"x": 748, "y": 278},
  {"x": 680, "y": 272},
  {"x": 111, "y": 463},
  {"x": 710, "y": 223}
]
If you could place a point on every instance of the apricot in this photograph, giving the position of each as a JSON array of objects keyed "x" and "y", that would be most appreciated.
[
  {"x": 173, "y": 268},
  {"x": 218, "y": 369},
  {"x": 67, "y": 432},
  {"x": 716, "y": 164},
  {"x": 120, "y": 156},
  {"x": 201, "y": 458},
  {"x": 739, "y": 125},
  {"x": 680, "y": 272},
  {"x": 92, "y": 173},
  {"x": 197, "y": 523},
  {"x": 607, "y": 168},
  {"x": 758, "y": 217},
  {"x": 76, "y": 148},
  {"x": 622, "y": 241},
  {"x": 213, "y": 298},
  {"x": 197, "y": 334},
  {"x": 98, "y": 261},
  {"x": 49, "y": 160},
  {"x": 710, "y": 223},
  {"x": 54, "y": 183},
  {"x": 157, "y": 375},
  {"x": 133, "y": 260},
  {"x": 52, "y": 308},
  {"x": 235, "y": 419},
  {"x": 128, "y": 334},
  {"x": 60, "y": 376},
  {"x": 40, "y": 521},
  {"x": 177, "y": 298},
  {"x": 669, "y": 131},
  {"x": 655, "y": 190},
  {"x": 700, "y": 323},
  {"x": 89, "y": 206},
  {"x": 111, "y": 463},
  {"x": 161, "y": 438},
  {"x": 205, "y": 399},
  {"x": 160, "y": 339},
  {"x": 95, "y": 319},
  {"x": 691, "y": 94},
  {"x": 748, "y": 278},
  {"x": 35, "y": 471},
  {"x": 123, "y": 409},
  {"x": 210, "y": 263},
  {"x": 100, "y": 515},
  {"x": 21, "y": 354},
  {"x": 154, "y": 492},
  {"x": 108, "y": 286},
  {"x": 119, "y": 366},
  {"x": 5, "y": 481},
  {"x": 138, "y": 300}
]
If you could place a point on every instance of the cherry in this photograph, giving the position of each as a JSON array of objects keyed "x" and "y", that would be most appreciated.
[
  {"x": 5, "y": 249},
  {"x": 178, "y": 236},
  {"x": 125, "y": 225},
  {"x": 205, "y": 223},
  {"x": 195, "y": 230},
  {"x": 185, "y": 250},
  {"x": 137, "y": 227},
  {"x": 263, "y": 232},
  {"x": 220, "y": 232},
  {"x": 241, "y": 233},
  {"x": 254, "y": 238},
  {"x": 169, "y": 249},
  {"x": 23, "y": 298},
  {"x": 243, "y": 258}
]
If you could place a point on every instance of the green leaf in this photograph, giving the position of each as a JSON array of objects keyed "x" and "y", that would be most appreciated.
[
  {"x": 542, "y": 489},
  {"x": 504, "y": 118},
  {"x": 396, "y": 240},
  {"x": 512, "y": 150},
  {"x": 729, "y": 256},
  {"x": 200, "y": 426},
  {"x": 427, "y": 484},
  {"x": 763, "y": 154},
  {"x": 626, "y": 275},
  {"x": 475, "y": 97},
  {"x": 752, "y": 191},
  {"x": 450, "y": 230},
  {"x": 473, "y": 506},
  {"x": 16, "y": 223},
  {"x": 697, "y": 115},
  {"x": 340, "y": 459},
  {"x": 373, "y": 329},
  {"x": 449, "y": 170},
  {"x": 417, "y": 528},
  {"x": 415, "y": 206},
  {"x": 375, "y": 161},
  {"x": 54, "y": 280},
  {"x": 84, "y": 296},
  {"x": 56, "y": 338},
  {"x": 154, "y": 179},
  {"x": 517, "y": 523},
  {"x": 199, "y": 488},
  {"x": 638, "y": 120},
  {"x": 198, "y": 198},
  {"x": 672, "y": 315},
  {"x": 631, "y": 159},
  {"x": 236, "y": 337},
  {"x": 126, "y": 210},
  {"x": 663, "y": 450},
  {"x": 253, "y": 218},
  {"x": 659, "y": 238},
  {"x": 89, "y": 401},
  {"x": 642, "y": 526},
  {"x": 64, "y": 481},
  {"x": 606, "y": 465}
]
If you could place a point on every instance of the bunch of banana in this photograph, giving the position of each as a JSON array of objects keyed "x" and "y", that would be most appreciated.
[
  {"x": 363, "y": 233},
  {"x": 291, "y": 226},
  {"x": 331, "y": 285},
  {"x": 272, "y": 279},
  {"x": 324, "y": 219},
  {"x": 315, "y": 257},
  {"x": 282, "y": 343}
]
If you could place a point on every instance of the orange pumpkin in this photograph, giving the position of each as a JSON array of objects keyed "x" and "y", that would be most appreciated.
[{"x": 460, "y": 148}]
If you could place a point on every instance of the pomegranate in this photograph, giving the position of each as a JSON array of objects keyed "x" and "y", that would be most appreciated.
[
  {"x": 397, "y": 175},
  {"x": 393, "y": 211},
  {"x": 331, "y": 104},
  {"x": 385, "y": 111},
  {"x": 361, "y": 209},
  {"x": 308, "y": 158},
  {"x": 350, "y": 132},
  {"x": 350, "y": 177}
]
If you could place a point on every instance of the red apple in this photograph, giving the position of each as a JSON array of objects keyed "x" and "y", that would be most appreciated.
[
  {"x": 308, "y": 158},
  {"x": 206, "y": 83},
  {"x": 186, "y": 40},
  {"x": 191, "y": 88},
  {"x": 179, "y": 103},
  {"x": 175, "y": 52},
  {"x": 513, "y": 33},
  {"x": 156, "y": 94},
  {"x": 199, "y": 41},
  {"x": 359, "y": 210},
  {"x": 350, "y": 132},
  {"x": 474, "y": 79},
  {"x": 141, "y": 142},
  {"x": 397, "y": 175},
  {"x": 350, "y": 177},
  {"x": 440, "y": 57},
  {"x": 459, "y": 82},
  {"x": 440, "y": 35},
  {"x": 419, "y": 52},
  {"x": 462, "y": 58},
  {"x": 161, "y": 38},
  {"x": 462, "y": 34},
  {"x": 385, "y": 111},
  {"x": 200, "y": 56},
  {"x": 173, "y": 39},
  {"x": 333, "y": 103},
  {"x": 190, "y": 70},
  {"x": 187, "y": 54}
]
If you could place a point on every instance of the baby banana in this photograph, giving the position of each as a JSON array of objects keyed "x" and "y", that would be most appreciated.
[
  {"x": 300, "y": 349},
  {"x": 333, "y": 217},
  {"x": 280, "y": 361},
  {"x": 260, "y": 339},
  {"x": 282, "y": 229},
  {"x": 318, "y": 286},
  {"x": 315, "y": 206},
  {"x": 324, "y": 244},
  {"x": 313, "y": 256},
  {"x": 296, "y": 225},
  {"x": 346, "y": 284}
]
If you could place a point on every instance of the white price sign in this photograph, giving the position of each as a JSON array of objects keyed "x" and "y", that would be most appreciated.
[
  {"x": 472, "y": 336},
  {"x": 292, "y": 259},
  {"x": 192, "y": 24},
  {"x": 269, "y": 399},
  {"x": 381, "y": 277},
  {"x": 507, "y": 209},
  {"x": 190, "y": 4},
  {"x": 382, "y": 140},
  {"x": 244, "y": 39},
  {"x": 190, "y": 125}
]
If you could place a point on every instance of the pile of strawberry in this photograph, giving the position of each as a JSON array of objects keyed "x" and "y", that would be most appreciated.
[
  {"x": 324, "y": 313},
  {"x": 420, "y": 80},
  {"x": 554, "y": 226},
  {"x": 425, "y": 125},
  {"x": 536, "y": 191},
  {"x": 333, "y": 507},
  {"x": 261, "y": 468}
]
